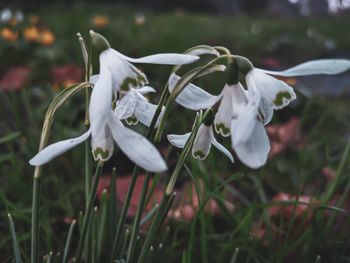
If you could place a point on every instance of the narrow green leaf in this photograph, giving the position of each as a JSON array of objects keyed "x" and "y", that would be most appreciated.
[
  {"x": 16, "y": 250},
  {"x": 9, "y": 137},
  {"x": 68, "y": 241},
  {"x": 234, "y": 256}
]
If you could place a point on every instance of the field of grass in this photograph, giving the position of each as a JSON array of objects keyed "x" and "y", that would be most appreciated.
[{"x": 315, "y": 230}]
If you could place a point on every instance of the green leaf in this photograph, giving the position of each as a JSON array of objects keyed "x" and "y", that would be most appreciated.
[
  {"x": 68, "y": 241},
  {"x": 9, "y": 137},
  {"x": 16, "y": 250}
]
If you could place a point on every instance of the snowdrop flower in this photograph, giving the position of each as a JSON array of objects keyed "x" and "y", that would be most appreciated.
[
  {"x": 202, "y": 143},
  {"x": 276, "y": 94},
  {"x": 118, "y": 74},
  {"x": 134, "y": 145},
  {"x": 229, "y": 101}
]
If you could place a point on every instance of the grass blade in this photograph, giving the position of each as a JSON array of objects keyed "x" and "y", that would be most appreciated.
[
  {"x": 16, "y": 250},
  {"x": 68, "y": 241}
]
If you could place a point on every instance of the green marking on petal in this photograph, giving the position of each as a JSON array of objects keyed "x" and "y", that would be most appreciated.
[
  {"x": 221, "y": 128},
  {"x": 99, "y": 153},
  {"x": 132, "y": 120},
  {"x": 280, "y": 97},
  {"x": 133, "y": 82},
  {"x": 199, "y": 154},
  {"x": 127, "y": 82}
]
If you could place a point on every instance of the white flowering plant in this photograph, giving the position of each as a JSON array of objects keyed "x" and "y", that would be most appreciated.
[{"x": 116, "y": 99}]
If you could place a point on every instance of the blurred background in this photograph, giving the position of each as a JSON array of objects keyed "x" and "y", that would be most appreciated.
[{"x": 40, "y": 56}]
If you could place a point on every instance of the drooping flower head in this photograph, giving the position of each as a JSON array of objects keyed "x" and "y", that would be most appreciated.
[
  {"x": 118, "y": 78},
  {"x": 242, "y": 113}
]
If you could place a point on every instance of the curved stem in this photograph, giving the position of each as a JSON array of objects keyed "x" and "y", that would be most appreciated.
[{"x": 35, "y": 221}]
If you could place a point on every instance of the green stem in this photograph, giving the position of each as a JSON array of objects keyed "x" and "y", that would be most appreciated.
[
  {"x": 154, "y": 228},
  {"x": 136, "y": 170},
  {"x": 35, "y": 218},
  {"x": 136, "y": 224},
  {"x": 123, "y": 213},
  {"x": 89, "y": 209},
  {"x": 181, "y": 84},
  {"x": 87, "y": 172}
]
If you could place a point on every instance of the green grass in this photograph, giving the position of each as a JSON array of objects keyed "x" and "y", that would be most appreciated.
[{"x": 325, "y": 124}]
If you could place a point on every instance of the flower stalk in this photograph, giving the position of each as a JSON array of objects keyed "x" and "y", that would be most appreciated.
[{"x": 88, "y": 213}]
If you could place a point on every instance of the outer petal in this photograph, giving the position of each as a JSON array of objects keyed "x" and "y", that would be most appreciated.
[
  {"x": 164, "y": 59},
  {"x": 202, "y": 143},
  {"x": 55, "y": 149},
  {"x": 274, "y": 91},
  {"x": 266, "y": 111},
  {"x": 221, "y": 148},
  {"x": 101, "y": 100},
  {"x": 178, "y": 141},
  {"x": 321, "y": 66},
  {"x": 192, "y": 97},
  {"x": 136, "y": 147},
  {"x": 124, "y": 74},
  {"x": 253, "y": 151},
  {"x": 94, "y": 78},
  {"x": 102, "y": 145},
  {"x": 232, "y": 101}
]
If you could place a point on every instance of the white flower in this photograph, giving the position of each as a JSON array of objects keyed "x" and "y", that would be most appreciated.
[
  {"x": 276, "y": 94},
  {"x": 230, "y": 100},
  {"x": 117, "y": 74},
  {"x": 134, "y": 145},
  {"x": 248, "y": 137},
  {"x": 202, "y": 143}
]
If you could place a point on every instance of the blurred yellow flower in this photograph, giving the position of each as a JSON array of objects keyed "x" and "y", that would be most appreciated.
[
  {"x": 34, "y": 19},
  {"x": 100, "y": 20},
  {"x": 46, "y": 37},
  {"x": 9, "y": 34},
  {"x": 31, "y": 33}
]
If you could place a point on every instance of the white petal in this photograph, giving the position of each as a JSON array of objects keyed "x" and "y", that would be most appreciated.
[
  {"x": 164, "y": 59},
  {"x": 275, "y": 91},
  {"x": 146, "y": 89},
  {"x": 178, "y": 141},
  {"x": 321, "y": 66},
  {"x": 101, "y": 100},
  {"x": 136, "y": 147},
  {"x": 232, "y": 103},
  {"x": 192, "y": 97},
  {"x": 144, "y": 112},
  {"x": 55, "y": 149},
  {"x": 126, "y": 106},
  {"x": 266, "y": 111},
  {"x": 202, "y": 143},
  {"x": 94, "y": 78},
  {"x": 124, "y": 74},
  {"x": 222, "y": 149},
  {"x": 102, "y": 145},
  {"x": 245, "y": 122},
  {"x": 253, "y": 151}
]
